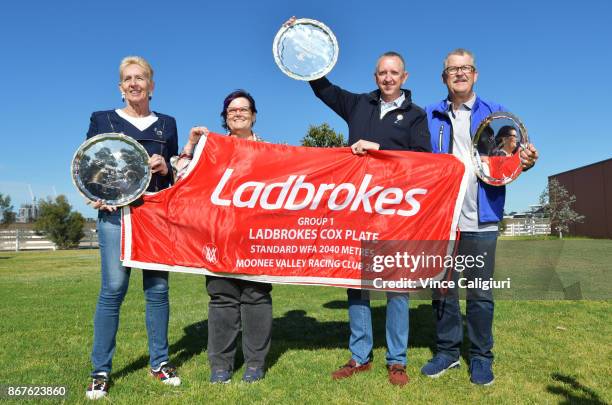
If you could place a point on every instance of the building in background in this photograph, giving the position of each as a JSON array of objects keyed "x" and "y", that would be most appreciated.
[
  {"x": 592, "y": 186},
  {"x": 28, "y": 212}
]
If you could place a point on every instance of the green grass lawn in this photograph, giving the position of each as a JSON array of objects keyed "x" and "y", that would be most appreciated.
[{"x": 546, "y": 351}]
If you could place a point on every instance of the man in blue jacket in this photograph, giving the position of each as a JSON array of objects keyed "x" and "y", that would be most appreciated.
[{"x": 452, "y": 124}]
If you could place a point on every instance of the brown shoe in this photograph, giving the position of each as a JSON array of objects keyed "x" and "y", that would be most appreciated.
[
  {"x": 349, "y": 369},
  {"x": 397, "y": 374}
]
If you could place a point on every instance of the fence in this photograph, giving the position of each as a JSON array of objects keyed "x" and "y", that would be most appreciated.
[
  {"x": 527, "y": 227},
  {"x": 26, "y": 239}
]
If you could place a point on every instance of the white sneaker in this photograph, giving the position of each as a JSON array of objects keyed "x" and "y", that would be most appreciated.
[
  {"x": 98, "y": 388},
  {"x": 166, "y": 373}
]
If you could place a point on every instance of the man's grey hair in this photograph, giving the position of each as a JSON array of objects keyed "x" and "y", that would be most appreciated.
[
  {"x": 459, "y": 52},
  {"x": 390, "y": 54}
]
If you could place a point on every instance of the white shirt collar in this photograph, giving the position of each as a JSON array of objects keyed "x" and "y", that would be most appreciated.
[
  {"x": 468, "y": 105},
  {"x": 386, "y": 107},
  {"x": 395, "y": 103}
]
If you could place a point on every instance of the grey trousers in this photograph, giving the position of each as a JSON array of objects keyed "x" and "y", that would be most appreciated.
[{"x": 236, "y": 304}]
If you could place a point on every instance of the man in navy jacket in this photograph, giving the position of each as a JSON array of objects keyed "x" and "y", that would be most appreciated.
[
  {"x": 384, "y": 119},
  {"x": 452, "y": 124}
]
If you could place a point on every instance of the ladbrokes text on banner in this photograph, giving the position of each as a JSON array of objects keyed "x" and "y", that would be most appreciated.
[{"x": 288, "y": 214}]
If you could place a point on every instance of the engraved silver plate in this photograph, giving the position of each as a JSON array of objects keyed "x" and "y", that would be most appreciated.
[
  {"x": 306, "y": 50},
  {"x": 111, "y": 167},
  {"x": 496, "y": 148}
]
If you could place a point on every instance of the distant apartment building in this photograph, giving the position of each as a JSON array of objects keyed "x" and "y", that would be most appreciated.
[
  {"x": 28, "y": 213},
  {"x": 592, "y": 186}
]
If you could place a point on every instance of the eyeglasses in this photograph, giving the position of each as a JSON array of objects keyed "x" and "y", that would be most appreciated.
[
  {"x": 242, "y": 110},
  {"x": 453, "y": 70}
]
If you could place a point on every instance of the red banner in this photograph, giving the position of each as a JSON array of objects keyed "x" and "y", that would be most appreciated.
[{"x": 294, "y": 215}]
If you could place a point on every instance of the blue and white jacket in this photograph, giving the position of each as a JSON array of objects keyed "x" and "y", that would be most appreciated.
[{"x": 491, "y": 199}]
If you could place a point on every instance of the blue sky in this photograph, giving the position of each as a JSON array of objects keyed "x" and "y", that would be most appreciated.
[{"x": 549, "y": 62}]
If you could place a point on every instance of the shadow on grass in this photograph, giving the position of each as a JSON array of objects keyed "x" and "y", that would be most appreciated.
[
  {"x": 191, "y": 344},
  {"x": 422, "y": 328},
  {"x": 577, "y": 394},
  {"x": 295, "y": 330},
  {"x": 422, "y": 332}
]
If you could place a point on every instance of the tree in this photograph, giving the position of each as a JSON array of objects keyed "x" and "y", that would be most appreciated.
[
  {"x": 323, "y": 136},
  {"x": 60, "y": 223},
  {"x": 8, "y": 215},
  {"x": 557, "y": 203}
]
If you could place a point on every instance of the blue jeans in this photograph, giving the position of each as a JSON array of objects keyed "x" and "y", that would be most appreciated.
[
  {"x": 479, "y": 303},
  {"x": 361, "y": 341},
  {"x": 115, "y": 281}
]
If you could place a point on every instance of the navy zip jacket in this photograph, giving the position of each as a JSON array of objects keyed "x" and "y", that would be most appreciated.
[
  {"x": 159, "y": 138},
  {"x": 404, "y": 128}
]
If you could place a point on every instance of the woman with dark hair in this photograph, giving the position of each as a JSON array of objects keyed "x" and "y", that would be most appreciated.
[
  {"x": 234, "y": 304},
  {"x": 157, "y": 133},
  {"x": 506, "y": 139}
]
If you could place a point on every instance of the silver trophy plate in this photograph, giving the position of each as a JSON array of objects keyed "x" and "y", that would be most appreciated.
[
  {"x": 306, "y": 50},
  {"x": 496, "y": 148},
  {"x": 111, "y": 167}
]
